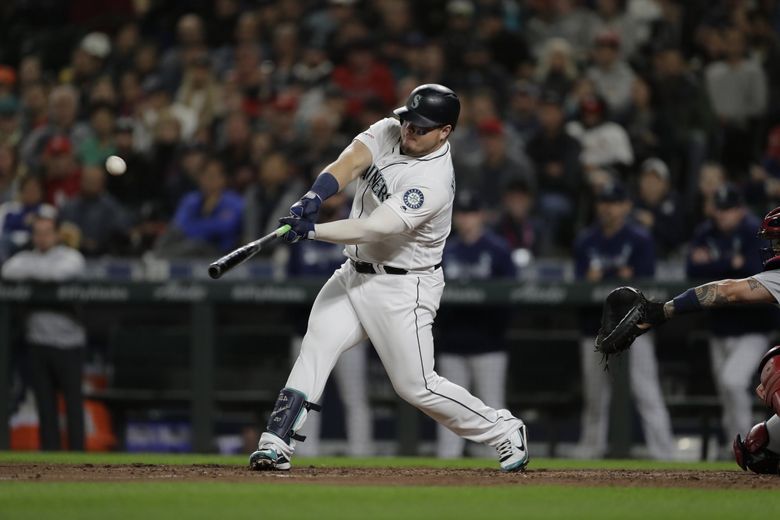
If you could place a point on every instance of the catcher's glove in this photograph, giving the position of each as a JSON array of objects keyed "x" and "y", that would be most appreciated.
[{"x": 624, "y": 309}]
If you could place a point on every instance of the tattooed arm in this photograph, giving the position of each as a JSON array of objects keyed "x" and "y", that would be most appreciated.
[{"x": 724, "y": 292}]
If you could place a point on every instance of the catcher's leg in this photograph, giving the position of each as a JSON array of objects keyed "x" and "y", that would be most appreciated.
[
  {"x": 755, "y": 453},
  {"x": 769, "y": 369},
  {"x": 646, "y": 388},
  {"x": 333, "y": 327}
]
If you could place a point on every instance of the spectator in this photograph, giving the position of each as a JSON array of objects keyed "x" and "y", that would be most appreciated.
[
  {"x": 190, "y": 41},
  {"x": 557, "y": 70},
  {"x": 362, "y": 77},
  {"x": 157, "y": 109},
  {"x": 96, "y": 218},
  {"x": 611, "y": 75},
  {"x": 55, "y": 339},
  {"x": 473, "y": 357},
  {"x": 275, "y": 190},
  {"x": 10, "y": 124},
  {"x": 61, "y": 171},
  {"x": 523, "y": 111},
  {"x": 34, "y": 102},
  {"x": 495, "y": 166},
  {"x": 17, "y": 216},
  {"x": 87, "y": 63},
  {"x": 556, "y": 158},
  {"x": 614, "y": 249},
  {"x": 63, "y": 110},
  {"x": 100, "y": 145},
  {"x": 604, "y": 143},
  {"x": 201, "y": 93},
  {"x": 711, "y": 178},
  {"x": 658, "y": 207},
  {"x": 737, "y": 88},
  {"x": 684, "y": 116},
  {"x": 516, "y": 223},
  {"x": 9, "y": 173},
  {"x": 641, "y": 122},
  {"x": 207, "y": 221},
  {"x": 726, "y": 246},
  {"x": 235, "y": 150}
]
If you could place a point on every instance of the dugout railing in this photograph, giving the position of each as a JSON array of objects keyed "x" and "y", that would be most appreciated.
[{"x": 206, "y": 313}]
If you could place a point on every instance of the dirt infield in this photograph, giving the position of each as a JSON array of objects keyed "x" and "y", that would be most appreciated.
[{"x": 386, "y": 476}]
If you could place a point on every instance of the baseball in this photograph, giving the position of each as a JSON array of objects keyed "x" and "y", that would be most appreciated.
[{"x": 115, "y": 165}]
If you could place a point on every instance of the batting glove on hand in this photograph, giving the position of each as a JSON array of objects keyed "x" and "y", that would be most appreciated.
[
  {"x": 307, "y": 208},
  {"x": 301, "y": 229}
]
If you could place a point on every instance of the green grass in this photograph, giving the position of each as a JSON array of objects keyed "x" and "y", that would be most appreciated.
[{"x": 232, "y": 501}]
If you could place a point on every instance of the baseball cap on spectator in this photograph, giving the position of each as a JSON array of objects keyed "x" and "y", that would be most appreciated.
[
  {"x": 47, "y": 211},
  {"x": 58, "y": 145},
  {"x": 96, "y": 44},
  {"x": 7, "y": 75},
  {"x": 657, "y": 166},
  {"x": 608, "y": 39},
  {"x": 467, "y": 202},
  {"x": 491, "y": 127},
  {"x": 285, "y": 102},
  {"x": 728, "y": 197},
  {"x": 613, "y": 191}
]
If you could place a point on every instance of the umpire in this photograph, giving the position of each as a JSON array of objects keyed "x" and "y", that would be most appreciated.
[{"x": 615, "y": 249}]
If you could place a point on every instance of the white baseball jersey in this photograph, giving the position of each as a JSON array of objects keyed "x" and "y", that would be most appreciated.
[{"x": 420, "y": 190}]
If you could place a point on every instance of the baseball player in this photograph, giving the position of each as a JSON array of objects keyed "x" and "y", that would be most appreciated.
[
  {"x": 726, "y": 246},
  {"x": 760, "y": 450},
  {"x": 390, "y": 286},
  {"x": 318, "y": 259}
]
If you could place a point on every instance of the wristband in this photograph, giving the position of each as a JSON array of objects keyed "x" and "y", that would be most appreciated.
[
  {"x": 325, "y": 186},
  {"x": 687, "y": 302}
]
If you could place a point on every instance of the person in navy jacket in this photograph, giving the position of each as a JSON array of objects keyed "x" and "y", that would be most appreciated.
[
  {"x": 471, "y": 347},
  {"x": 726, "y": 246},
  {"x": 616, "y": 250},
  {"x": 316, "y": 259}
]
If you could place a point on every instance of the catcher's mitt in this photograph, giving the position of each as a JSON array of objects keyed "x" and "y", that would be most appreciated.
[{"x": 624, "y": 309}]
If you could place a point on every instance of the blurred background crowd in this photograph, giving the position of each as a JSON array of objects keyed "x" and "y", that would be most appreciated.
[{"x": 237, "y": 105}]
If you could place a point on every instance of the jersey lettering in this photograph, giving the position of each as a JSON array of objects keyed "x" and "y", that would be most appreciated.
[{"x": 377, "y": 183}]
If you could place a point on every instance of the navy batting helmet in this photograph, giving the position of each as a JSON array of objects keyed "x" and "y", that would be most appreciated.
[{"x": 429, "y": 106}]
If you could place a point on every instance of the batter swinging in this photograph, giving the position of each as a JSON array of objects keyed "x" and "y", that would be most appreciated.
[{"x": 389, "y": 288}]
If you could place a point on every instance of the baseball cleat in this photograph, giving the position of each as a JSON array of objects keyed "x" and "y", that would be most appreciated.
[
  {"x": 513, "y": 451},
  {"x": 268, "y": 459}
]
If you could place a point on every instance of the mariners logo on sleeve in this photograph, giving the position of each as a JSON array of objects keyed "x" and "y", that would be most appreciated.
[{"x": 414, "y": 198}]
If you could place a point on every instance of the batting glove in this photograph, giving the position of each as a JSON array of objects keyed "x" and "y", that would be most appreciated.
[
  {"x": 300, "y": 229},
  {"x": 307, "y": 208}
]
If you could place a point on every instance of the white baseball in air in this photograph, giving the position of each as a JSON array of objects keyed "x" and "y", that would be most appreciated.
[{"x": 115, "y": 165}]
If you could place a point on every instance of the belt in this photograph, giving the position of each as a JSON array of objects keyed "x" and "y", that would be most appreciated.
[{"x": 367, "y": 268}]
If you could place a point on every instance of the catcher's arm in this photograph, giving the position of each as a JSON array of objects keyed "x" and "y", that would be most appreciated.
[{"x": 720, "y": 293}]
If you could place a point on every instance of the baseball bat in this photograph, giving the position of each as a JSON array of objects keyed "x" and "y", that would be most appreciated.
[{"x": 243, "y": 253}]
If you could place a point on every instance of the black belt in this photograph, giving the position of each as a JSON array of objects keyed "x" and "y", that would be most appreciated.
[{"x": 366, "y": 268}]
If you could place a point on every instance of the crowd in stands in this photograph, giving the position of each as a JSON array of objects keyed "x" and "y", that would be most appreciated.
[{"x": 225, "y": 111}]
